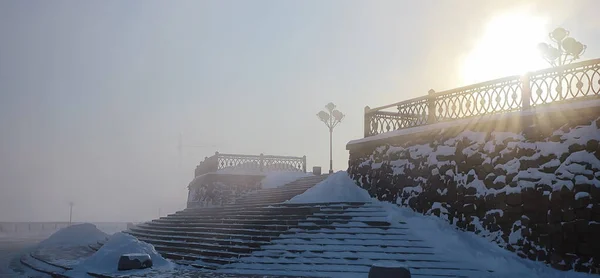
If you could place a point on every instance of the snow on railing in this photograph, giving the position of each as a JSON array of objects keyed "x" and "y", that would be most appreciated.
[
  {"x": 259, "y": 163},
  {"x": 575, "y": 81}
]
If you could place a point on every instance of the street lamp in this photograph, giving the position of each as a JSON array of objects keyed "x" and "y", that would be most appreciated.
[
  {"x": 332, "y": 117},
  {"x": 71, "y": 212},
  {"x": 566, "y": 51}
]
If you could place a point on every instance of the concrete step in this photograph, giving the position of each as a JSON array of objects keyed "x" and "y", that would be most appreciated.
[{"x": 289, "y": 222}]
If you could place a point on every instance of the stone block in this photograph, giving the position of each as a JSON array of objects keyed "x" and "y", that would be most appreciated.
[
  {"x": 489, "y": 182},
  {"x": 470, "y": 191},
  {"x": 581, "y": 226},
  {"x": 499, "y": 204},
  {"x": 578, "y": 267},
  {"x": 549, "y": 169},
  {"x": 582, "y": 202},
  {"x": 568, "y": 229},
  {"x": 582, "y": 188},
  {"x": 526, "y": 164},
  {"x": 542, "y": 256},
  {"x": 594, "y": 228},
  {"x": 583, "y": 214},
  {"x": 554, "y": 215},
  {"x": 541, "y": 228},
  {"x": 568, "y": 215},
  {"x": 469, "y": 209},
  {"x": 538, "y": 217},
  {"x": 389, "y": 271},
  {"x": 531, "y": 194},
  {"x": 576, "y": 147},
  {"x": 510, "y": 178},
  {"x": 493, "y": 227},
  {"x": 544, "y": 240},
  {"x": 595, "y": 217},
  {"x": 567, "y": 197},
  {"x": 555, "y": 138},
  {"x": 470, "y": 199},
  {"x": 134, "y": 261},
  {"x": 536, "y": 205},
  {"x": 556, "y": 198},
  {"x": 595, "y": 192},
  {"x": 592, "y": 145},
  {"x": 523, "y": 152},
  {"x": 514, "y": 199}
]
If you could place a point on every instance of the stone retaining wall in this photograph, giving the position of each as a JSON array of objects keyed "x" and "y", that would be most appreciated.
[
  {"x": 531, "y": 183},
  {"x": 218, "y": 189}
]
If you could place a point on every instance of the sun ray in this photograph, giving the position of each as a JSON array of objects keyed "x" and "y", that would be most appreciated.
[{"x": 507, "y": 47}]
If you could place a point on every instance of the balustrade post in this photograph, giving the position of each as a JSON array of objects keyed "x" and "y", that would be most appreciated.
[
  {"x": 214, "y": 164},
  {"x": 431, "y": 107},
  {"x": 304, "y": 164},
  {"x": 262, "y": 162},
  {"x": 367, "y": 123},
  {"x": 525, "y": 92}
]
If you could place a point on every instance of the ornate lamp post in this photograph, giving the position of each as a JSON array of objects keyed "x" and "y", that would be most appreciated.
[
  {"x": 566, "y": 51},
  {"x": 332, "y": 117}
]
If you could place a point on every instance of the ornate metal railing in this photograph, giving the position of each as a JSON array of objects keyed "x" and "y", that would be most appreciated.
[
  {"x": 576, "y": 81},
  {"x": 259, "y": 163}
]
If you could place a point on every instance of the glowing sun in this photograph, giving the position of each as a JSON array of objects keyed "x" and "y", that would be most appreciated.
[{"x": 507, "y": 47}]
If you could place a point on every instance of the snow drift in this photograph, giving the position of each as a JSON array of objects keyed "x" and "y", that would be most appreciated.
[
  {"x": 75, "y": 235},
  {"x": 107, "y": 258},
  {"x": 338, "y": 187}
]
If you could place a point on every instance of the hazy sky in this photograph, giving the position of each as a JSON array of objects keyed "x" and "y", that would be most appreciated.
[{"x": 94, "y": 94}]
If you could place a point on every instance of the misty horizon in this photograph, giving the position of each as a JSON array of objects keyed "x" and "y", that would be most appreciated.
[{"x": 94, "y": 95}]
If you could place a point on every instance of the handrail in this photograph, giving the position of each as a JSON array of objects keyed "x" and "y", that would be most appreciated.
[
  {"x": 565, "y": 83},
  {"x": 259, "y": 163},
  {"x": 372, "y": 110}
]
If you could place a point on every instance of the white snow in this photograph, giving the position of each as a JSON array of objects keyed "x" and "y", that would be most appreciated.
[
  {"x": 106, "y": 259},
  {"x": 469, "y": 247},
  {"x": 450, "y": 242},
  {"x": 277, "y": 179},
  {"x": 390, "y": 265},
  {"x": 338, "y": 187},
  {"x": 75, "y": 235},
  {"x": 516, "y": 235},
  {"x": 581, "y": 195}
]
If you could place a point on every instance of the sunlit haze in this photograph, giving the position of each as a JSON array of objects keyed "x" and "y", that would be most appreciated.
[
  {"x": 508, "y": 46},
  {"x": 94, "y": 94}
]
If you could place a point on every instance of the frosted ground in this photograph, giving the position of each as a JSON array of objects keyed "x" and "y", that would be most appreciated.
[{"x": 445, "y": 238}]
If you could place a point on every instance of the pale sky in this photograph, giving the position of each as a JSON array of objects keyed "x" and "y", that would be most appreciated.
[{"x": 94, "y": 94}]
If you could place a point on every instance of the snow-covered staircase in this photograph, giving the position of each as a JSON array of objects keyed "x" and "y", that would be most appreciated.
[
  {"x": 345, "y": 240},
  {"x": 261, "y": 235},
  {"x": 220, "y": 235},
  {"x": 279, "y": 194}
]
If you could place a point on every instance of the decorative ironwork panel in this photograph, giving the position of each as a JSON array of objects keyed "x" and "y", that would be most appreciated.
[
  {"x": 502, "y": 95},
  {"x": 411, "y": 113},
  {"x": 384, "y": 122},
  {"x": 261, "y": 162},
  {"x": 565, "y": 83},
  {"x": 274, "y": 163},
  {"x": 239, "y": 162}
]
